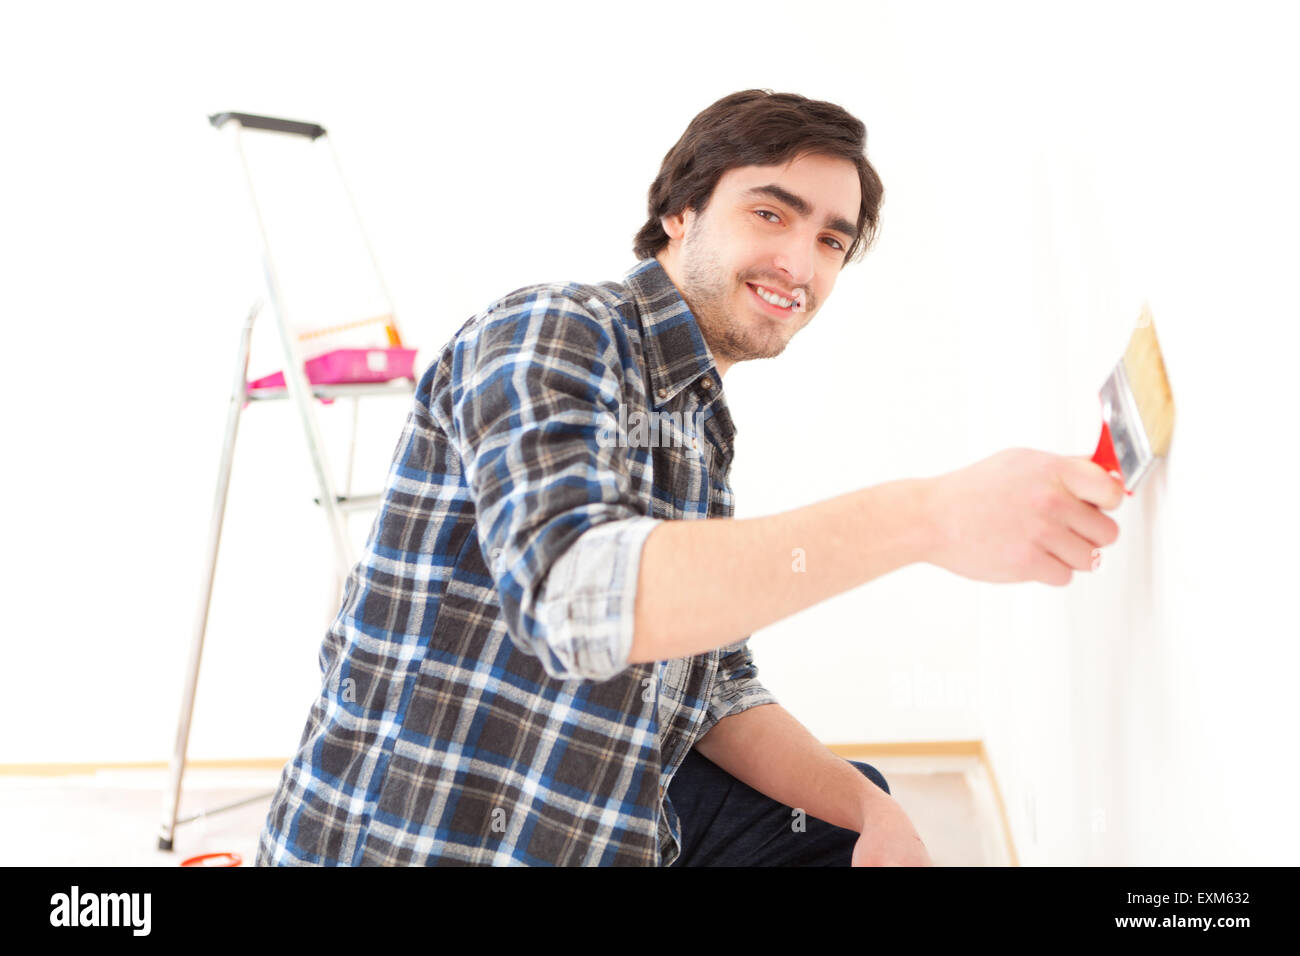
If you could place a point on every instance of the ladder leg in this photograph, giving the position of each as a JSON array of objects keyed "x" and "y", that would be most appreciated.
[
  {"x": 295, "y": 378},
  {"x": 295, "y": 381},
  {"x": 340, "y": 577},
  {"x": 172, "y": 796},
  {"x": 337, "y": 582},
  {"x": 352, "y": 443}
]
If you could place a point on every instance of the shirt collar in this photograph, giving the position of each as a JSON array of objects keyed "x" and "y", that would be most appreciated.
[{"x": 676, "y": 353}]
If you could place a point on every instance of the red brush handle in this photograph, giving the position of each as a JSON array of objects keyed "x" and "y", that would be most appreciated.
[{"x": 1105, "y": 454}]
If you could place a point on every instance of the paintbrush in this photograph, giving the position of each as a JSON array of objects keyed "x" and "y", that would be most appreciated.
[{"x": 1137, "y": 408}]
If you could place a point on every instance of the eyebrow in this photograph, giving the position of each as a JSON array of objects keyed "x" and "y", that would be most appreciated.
[{"x": 802, "y": 207}]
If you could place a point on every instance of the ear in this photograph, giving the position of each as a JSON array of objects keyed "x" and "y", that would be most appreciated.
[{"x": 675, "y": 225}]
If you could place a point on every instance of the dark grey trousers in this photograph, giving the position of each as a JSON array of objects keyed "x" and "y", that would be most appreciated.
[{"x": 727, "y": 823}]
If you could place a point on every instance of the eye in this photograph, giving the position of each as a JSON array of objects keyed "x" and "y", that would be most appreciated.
[
  {"x": 768, "y": 212},
  {"x": 838, "y": 246}
]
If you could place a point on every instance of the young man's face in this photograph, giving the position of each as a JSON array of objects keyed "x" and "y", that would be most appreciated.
[{"x": 784, "y": 229}]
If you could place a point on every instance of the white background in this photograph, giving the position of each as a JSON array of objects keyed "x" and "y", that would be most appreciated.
[{"x": 1047, "y": 168}]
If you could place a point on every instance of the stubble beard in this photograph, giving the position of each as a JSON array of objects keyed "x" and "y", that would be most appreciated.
[{"x": 708, "y": 287}]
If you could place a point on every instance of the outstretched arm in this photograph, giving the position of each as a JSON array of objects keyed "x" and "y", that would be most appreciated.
[{"x": 706, "y": 584}]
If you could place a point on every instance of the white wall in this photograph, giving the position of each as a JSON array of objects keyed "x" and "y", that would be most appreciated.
[{"x": 1045, "y": 173}]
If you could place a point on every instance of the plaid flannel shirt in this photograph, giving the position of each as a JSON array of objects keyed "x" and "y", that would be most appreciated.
[{"x": 477, "y": 704}]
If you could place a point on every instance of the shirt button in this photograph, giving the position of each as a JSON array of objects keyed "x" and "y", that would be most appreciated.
[
  {"x": 662, "y": 393},
  {"x": 706, "y": 383}
]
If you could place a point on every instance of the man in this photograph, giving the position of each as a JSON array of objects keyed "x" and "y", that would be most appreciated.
[{"x": 542, "y": 656}]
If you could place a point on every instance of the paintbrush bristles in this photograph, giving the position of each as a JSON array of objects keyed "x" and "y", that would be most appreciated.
[{"x": 1146, "y": 376}]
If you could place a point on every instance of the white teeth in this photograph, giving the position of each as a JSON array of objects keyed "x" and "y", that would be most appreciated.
[{"x": 772, "y": 297}]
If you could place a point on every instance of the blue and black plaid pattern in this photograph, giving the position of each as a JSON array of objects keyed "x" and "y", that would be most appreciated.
[{"x": 477, "y": 705}]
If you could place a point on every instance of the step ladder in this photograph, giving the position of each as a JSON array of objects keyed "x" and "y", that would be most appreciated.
[{"x": 303, "y": 393}]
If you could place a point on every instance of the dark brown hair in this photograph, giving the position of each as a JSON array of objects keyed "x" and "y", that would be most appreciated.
[{"x": 757, "y": 128}]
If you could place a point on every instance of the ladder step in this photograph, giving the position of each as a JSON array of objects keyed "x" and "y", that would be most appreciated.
[{"x": 356, "y": 502}]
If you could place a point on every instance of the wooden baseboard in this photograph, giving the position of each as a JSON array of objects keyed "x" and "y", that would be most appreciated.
[
  {"x": 939, "y": 748},
  {"x": 80, "y": 769},
  {"x": 917, "y": 748}
]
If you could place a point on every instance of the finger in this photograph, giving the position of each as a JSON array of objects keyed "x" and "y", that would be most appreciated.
[
  {"x": 1070, "y": 549},
  {"x": 1089, "y": 523},
  {"x": 1048, "y": 569},
  {"x": 1088, "y": 481}
]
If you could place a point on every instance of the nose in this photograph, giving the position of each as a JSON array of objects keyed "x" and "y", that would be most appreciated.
[{"x": 796, "y": 257}]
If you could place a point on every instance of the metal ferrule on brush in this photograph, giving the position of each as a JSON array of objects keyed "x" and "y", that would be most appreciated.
[{"x": 1127, "y": 433}]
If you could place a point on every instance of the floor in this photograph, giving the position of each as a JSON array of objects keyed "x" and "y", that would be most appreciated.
[{"x": 111, "y": 818}]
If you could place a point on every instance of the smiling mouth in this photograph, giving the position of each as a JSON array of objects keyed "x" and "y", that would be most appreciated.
[{"x": 786, "y": 304}]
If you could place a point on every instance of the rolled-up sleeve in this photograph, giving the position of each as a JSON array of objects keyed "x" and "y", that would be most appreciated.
[
  {"x": 737, "y": 687},
  {"x": 588, "y": 604},
  {"x": 537, "y": 393}
]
